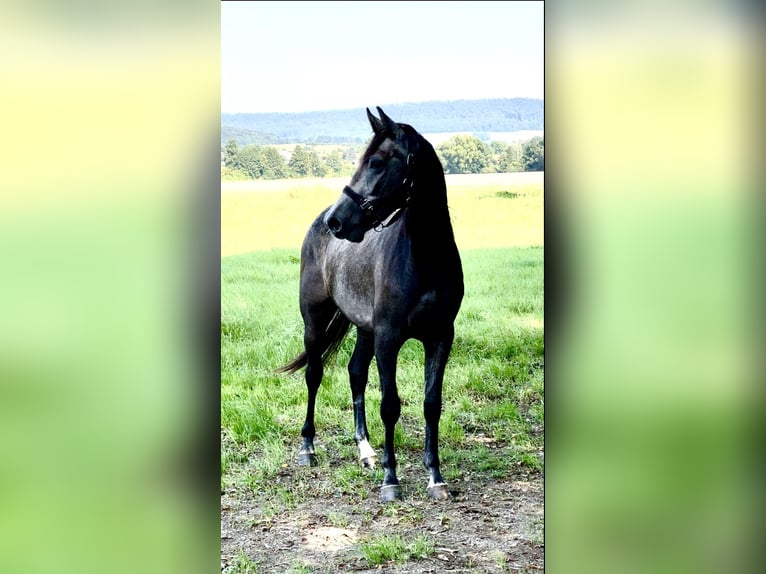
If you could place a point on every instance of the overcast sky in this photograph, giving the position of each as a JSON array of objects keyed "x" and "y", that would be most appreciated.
[{"x": 306, "y": 56}]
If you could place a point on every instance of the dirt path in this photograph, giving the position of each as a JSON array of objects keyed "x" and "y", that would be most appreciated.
[{"x": 492, "y": 525}]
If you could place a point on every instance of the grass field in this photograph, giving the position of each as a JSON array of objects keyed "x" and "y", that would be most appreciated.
[
  {"x": 260, "y": 215},
  {"x": 492, "y": 422}
]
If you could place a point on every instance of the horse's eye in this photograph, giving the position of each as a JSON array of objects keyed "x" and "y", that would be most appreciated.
[{"x": 376, "y": 163}]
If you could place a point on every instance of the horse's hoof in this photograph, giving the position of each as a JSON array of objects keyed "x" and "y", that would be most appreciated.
[
  {"x": 439, "y": 492},
  {"x": 307, "y": 459},
  {"x": 368, "y": 462},
  {"x": 390, "y": 492}
]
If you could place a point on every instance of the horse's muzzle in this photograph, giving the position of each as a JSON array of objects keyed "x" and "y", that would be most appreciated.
[
  {"x": 334, "y": 225},
  {"x": 342, "y": 223}
]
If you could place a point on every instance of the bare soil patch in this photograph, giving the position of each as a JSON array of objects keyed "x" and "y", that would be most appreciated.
[{"x": 490, "y": 525}]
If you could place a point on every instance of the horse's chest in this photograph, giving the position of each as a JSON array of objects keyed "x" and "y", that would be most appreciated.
[
  {"x": 368, "y": 295},
  {"x": 352, "y": 286},
  {"x": 371, "y": 291}
]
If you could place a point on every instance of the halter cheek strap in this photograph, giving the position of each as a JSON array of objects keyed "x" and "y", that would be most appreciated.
[
  {"x": 365, "y": 205},
  {"x": 372, "y": 208}
]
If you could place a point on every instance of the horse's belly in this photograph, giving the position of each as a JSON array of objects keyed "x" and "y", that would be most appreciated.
[{"x": 359, "y": 315}]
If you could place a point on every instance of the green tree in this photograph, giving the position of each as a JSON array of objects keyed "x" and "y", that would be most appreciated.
[
  {"x": 250, "y": 160},
  {"x": 300, "y": 162},
  {"x": 465, "y": 154},
  {"x": 510, "y": 160},
  {"x": 498, "y": 147},
  {"x": 275, "y": 166},
  {"x": 316, "y": 167},
  {"x": 334, "y": 162},
  {"x": 230, "y": 153},
  {"x": 533, "y": 154}
]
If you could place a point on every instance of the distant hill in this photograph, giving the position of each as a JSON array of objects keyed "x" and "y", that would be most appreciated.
[
  {"x": 351, "y": 126},
  {"x": 246, "y": 137}
]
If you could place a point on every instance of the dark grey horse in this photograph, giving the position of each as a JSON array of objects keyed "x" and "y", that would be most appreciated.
[{"x": 384, "y": 258}]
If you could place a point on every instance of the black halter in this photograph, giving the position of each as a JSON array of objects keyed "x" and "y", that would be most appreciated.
[{"x": 379, "y": 209}]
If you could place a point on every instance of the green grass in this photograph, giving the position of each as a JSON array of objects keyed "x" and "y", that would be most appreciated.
[
  {"x": 300, "y": 567},
  {"x": 337, "y": 519},
  {"x": 493, "y": 412},
  {"x": 243, "y": 565},
  {"x": 387, "y": 548},
  {"x": 487, "y": 211},
  {"x": 493, "y": 392}
]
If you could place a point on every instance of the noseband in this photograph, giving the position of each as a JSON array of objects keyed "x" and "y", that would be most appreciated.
[{"x": 374, "y": 209}]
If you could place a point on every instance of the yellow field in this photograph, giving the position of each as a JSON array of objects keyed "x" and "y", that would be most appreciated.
[{"x": 258, "y": 215}]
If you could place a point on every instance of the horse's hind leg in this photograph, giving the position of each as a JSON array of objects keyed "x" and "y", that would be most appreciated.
[
  {"x": 316, "y": 321},
  {"x": 436, "y": 354},
  {"x": 358, "y": 370},
  {"x": 307, "y": 454}
]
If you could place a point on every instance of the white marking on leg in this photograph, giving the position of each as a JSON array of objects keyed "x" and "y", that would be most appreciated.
[
  {"x": 365, "y": 450},
  {"x": 431, "y": 483}
]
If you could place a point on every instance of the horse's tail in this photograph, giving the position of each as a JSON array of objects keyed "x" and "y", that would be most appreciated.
[{"x": 333, "y": 336}]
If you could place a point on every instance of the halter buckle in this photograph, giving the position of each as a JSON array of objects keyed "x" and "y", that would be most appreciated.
[{"x": 366, "y": 206}]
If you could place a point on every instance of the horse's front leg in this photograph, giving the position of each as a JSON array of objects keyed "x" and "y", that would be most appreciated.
[
  {"x": 436, "y": 355},
  {"x": 386, "y": 351},
  {"x": 358, "y": 371}
]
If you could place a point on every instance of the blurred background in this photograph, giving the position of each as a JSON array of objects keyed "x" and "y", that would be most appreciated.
[
  {"x": 109, "y": 297},
  {"x": 654, "y": 335},
  {"x": 109, "y": 242}
]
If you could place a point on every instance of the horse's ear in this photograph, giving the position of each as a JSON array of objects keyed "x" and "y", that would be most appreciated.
[
  {"x": 391, "y": 124},
  {"x": 377, "y": 125}
]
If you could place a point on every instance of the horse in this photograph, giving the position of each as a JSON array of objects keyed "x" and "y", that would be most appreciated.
[{"x": 384, "y": 258}]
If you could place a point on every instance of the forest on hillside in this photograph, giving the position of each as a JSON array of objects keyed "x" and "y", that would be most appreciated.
[{"x": 351, "y": 127}]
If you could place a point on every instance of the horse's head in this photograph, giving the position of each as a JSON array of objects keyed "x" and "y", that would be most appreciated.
[{"x": 382, "y": 182}]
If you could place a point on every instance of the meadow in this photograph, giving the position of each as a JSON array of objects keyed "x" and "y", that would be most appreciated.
[{"x": 277, "y": 517}]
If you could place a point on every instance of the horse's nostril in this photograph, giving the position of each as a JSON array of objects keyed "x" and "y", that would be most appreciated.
[{"x": 334, "y": 224}]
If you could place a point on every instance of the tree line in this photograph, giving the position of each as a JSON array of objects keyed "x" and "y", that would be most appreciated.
[
  {"x": 469, "y": 154},
  {"x": 348, "y": 126},
  {"x": 459, "y": 154}
]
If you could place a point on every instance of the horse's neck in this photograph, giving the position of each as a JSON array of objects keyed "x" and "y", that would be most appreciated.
[{"x": 430, "y": 230}]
